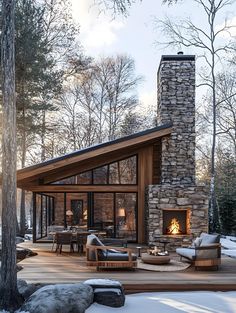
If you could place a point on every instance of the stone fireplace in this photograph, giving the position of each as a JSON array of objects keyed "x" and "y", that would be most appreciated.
[{"x": 177, "y": 196}]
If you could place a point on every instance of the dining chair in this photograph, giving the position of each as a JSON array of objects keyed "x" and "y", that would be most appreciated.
[
  {"x": 81, "y": 241},
  {"x": 63, "y": 238}
]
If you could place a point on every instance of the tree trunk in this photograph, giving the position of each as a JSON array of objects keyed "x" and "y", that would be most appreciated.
[
  {"x": 213, "y": 208},
  {"x": 43, "y": 131},
  {"x": 22, "y": 201},
  {"x": 10, "y": 299}
]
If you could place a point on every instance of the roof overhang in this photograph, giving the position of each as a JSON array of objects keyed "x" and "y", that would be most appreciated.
[{"x": 83, "y": 159}]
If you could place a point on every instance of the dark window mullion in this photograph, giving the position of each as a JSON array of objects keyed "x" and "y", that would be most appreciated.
[
  {"x": 34, "y": 217},
  {"x": 41, "y": 216},
  {"x": 108, "y": 174},
  {"x": 65, "y": 222}
]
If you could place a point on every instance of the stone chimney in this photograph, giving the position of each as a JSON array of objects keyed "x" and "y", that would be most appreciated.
[
  {"x": 177, "y": 197},
  {"x": 176, "y": 104}
]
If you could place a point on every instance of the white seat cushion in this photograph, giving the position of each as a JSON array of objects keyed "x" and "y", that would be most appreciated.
[{"x": 188, "y": 253}]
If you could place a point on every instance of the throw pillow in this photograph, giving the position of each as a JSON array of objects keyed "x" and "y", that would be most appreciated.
[
  {"x": 197, "y": 242},
  {"x": 208, "y": 239}
]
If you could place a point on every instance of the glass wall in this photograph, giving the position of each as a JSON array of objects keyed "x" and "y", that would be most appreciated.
[
  {"x": 77, "y": 203},
  {"x": 44, "y": 214},
  {"x": 38, "y": 217},
  {"x": 116, "y": 214},
  {"x": 103, "y": 212},
  {"x": 123, "y": 172},
  {"x": 113, "y": 213},
  {"x": 126, "y": 208}
]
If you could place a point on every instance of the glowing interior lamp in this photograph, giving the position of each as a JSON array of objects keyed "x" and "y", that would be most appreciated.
[
  {"x": 69, "y": 213},
  {"x": 121, "y": 212}
]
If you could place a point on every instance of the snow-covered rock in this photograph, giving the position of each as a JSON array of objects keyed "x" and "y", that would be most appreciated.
[
  {"x": 107, "y": 292},
  {"x": 65, "y": 298},
  {"x": 26, "y": 290}
]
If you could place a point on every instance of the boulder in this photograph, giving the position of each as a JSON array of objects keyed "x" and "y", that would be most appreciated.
[
  {"x": 23, "y": 253},
  {"x": 107, "y": 292},
  {"x": 66, "y": 298},
  {"x": 26, "y": 290},
  {"x": 19, "y": 267}
]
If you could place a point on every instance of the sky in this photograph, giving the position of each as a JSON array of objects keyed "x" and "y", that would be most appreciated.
[{"x": 135, "y": 35}]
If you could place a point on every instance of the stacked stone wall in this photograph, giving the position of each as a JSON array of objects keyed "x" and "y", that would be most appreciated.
[{"x": 176, "y": 104}]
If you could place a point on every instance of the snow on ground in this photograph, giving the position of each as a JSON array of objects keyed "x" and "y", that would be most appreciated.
[
  {"x": 174, "y": 302},
  {"x": 231, "y": 253},
  {"x": 228, "y": 246},
  {"x": 227, "y": 243}
]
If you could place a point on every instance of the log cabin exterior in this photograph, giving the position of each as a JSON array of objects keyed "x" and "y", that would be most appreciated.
[{"x": 132, "y": 187}]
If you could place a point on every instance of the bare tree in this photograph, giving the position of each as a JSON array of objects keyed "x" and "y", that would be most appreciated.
[
  {"x": 95, "y": 102},
  {"x": 187, "y": 34},
  {"x": 226, "y": 109},
  {"x": 9, "y": 296},
  {"x": 120, "y": 91},
  {"x": 123, "y": 6}
]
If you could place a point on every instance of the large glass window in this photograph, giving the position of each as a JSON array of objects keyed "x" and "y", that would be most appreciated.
[
  {"x": 100, "y": 175},
  {"x": 38, "y": 231},
  {"x": 77, "y": 203},
  {"x": 84, "y": 178},
  {"x": 115, "y": 213},
  {"x": 103, "y": 211},
  {"x": 44, "y": 209},
  {"x": 126, "y": 215},
  {"x": 123, "y": 172},
  {"x": 44, "y": 216}
]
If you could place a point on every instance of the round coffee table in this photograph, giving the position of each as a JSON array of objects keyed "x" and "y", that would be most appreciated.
[{"x": 156, "y": 260}]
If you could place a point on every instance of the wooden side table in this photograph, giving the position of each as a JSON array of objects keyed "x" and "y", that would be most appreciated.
[{"x": 164, "y": 242}]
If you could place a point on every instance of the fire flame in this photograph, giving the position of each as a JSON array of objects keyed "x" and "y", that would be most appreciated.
[{"x": 174, "y": 227}]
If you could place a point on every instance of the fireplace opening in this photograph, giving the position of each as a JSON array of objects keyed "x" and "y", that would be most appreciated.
[{"x": 175, "y": 222}]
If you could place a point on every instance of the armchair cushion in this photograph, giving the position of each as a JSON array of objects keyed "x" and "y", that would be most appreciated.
[
  {"x": 117, "y": 256},
  {"x": 188, "y": 253}
]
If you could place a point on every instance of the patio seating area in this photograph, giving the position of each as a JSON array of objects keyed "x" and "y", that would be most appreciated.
[{"x": 48, "y": 267}]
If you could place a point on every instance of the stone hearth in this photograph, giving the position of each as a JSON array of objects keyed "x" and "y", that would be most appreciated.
[{"x": 193, "y": 199}]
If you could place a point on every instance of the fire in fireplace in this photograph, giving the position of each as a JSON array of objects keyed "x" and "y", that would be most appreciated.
[
  {"x": 175, "y": 222},
  {"x": 174, "y": 228}
]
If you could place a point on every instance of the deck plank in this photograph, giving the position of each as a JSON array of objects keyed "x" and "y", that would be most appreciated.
[{"x": 47, "y": 267}]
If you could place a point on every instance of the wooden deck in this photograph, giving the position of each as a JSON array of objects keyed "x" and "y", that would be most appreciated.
[{"x": 47, "y": 267}]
